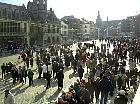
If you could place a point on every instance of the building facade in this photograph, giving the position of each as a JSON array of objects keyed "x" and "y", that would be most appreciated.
[
  {"x": 14, "y": 26},
  {"x": 127, "y": 25},
  {"x": 52, "y": 30},
  {"x": 137, "y": 25},
  {"x": 64, "y": 31},
  {"x": 38, "y": 10},
  {"x": 44, "y": 23},
  {"x": 73, "y": 26}
]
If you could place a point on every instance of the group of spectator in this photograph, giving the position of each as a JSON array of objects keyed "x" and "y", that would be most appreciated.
[{"x": 107, "y": 70}]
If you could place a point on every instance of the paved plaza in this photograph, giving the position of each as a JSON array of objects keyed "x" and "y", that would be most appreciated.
[{"x": 37, "y": 93}]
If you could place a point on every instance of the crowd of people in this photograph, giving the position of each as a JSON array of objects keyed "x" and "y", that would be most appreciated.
[{"x": 107, "y": 70}]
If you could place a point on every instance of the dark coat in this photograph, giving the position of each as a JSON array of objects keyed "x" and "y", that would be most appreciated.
[
  {"x": 89, "y": 87},
  {"x": 30, "y": 74},
  {"x": 80, "y": 72},
  {"x": 120, "y": 100},
  {"x": 60, "y": 77},
  {"x": 105, "y": 85},
  {"x": 67, "y": 61}
]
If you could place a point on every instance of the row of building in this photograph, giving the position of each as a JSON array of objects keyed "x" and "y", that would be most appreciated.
[
  {"x": 36, "y": 25},
  {"x": 128, "y": 27}
]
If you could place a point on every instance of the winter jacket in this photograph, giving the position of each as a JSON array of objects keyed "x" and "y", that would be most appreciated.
[
  {"x": 120, "y": 100},
  {"x": 105, "y": 85}
]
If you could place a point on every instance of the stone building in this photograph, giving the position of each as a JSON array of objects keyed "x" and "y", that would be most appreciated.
[
  {"x": 64, "y": 31},
  {"x": 73, "y": 26},
  {"x": 38, "y": 10},
  {"x": 137, "y": 25},
  {"x": 127, "y": 25},
  {"x": 87, "y": 28},
  {"x": 52, "y": 29},
  {"x": 14, "y": 26},
  {"x": 45, "y": 26}
]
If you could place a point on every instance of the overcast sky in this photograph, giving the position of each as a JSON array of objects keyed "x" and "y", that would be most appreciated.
[{"x": 114, "y": 9}]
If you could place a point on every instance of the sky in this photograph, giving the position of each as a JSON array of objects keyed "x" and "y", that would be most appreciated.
[{"x": 88, "y": 9}]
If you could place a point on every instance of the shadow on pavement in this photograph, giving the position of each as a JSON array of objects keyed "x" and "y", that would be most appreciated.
[
  {"x": 19, "y": 91},
  {"x": 39, "y": 96},
  {"x": 39, "y": 82},
  {"x": 54, "y": 96},
  {"x": 7, "y": 86}
]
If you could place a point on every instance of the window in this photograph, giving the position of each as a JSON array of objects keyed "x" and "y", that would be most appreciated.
[
  {"x": 45, "y": 41},
  {"x": 49, "y": 30},
  {"x": 57, "y": 30},
  {"x": 65, "y": 32},
  {"x": 53, "y": 29},
  {"x": 65, "y": 27},
  {"x": 25, "y": 27}
]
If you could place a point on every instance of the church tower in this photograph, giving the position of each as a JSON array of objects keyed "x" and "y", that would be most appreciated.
[{"x": 99, "y": 21}]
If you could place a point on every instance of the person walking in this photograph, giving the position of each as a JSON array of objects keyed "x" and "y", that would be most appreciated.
[{"x": 30, "y": 76}]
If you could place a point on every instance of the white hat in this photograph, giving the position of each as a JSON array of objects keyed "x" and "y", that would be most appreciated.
[{"x": 121, "y": 92}]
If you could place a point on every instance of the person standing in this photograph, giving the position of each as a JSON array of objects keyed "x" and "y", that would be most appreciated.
[
  {"x": 48, "y": 78},
  {"x": 121, "y": 98},
  {"x": 60, "y": 77},
  {"x": 80, "y": 72},
  {"x": 24, "y": 74},
  {"x": 89, "y": 86},
  {"x": 30, "y": 76},
  {"x": 85, "y": 95},
  {"x": 8, "y": 99},
  {"x": 31, "y": 61},
  {"x": 44, "y": 70},
  {"x": 104, "y": 86},
  {"x": 39, "y": 70},
  {"x": 3, "y": 68},
  {"x": 27, "y": 62},
  {"x": 96, "y": 87}
]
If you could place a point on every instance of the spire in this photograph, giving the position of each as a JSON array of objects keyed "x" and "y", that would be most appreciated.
[
  {"x": 107, "y": 18},
  {"x": 98, "y": 15},
  {"x": 98, "y": 20}
]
